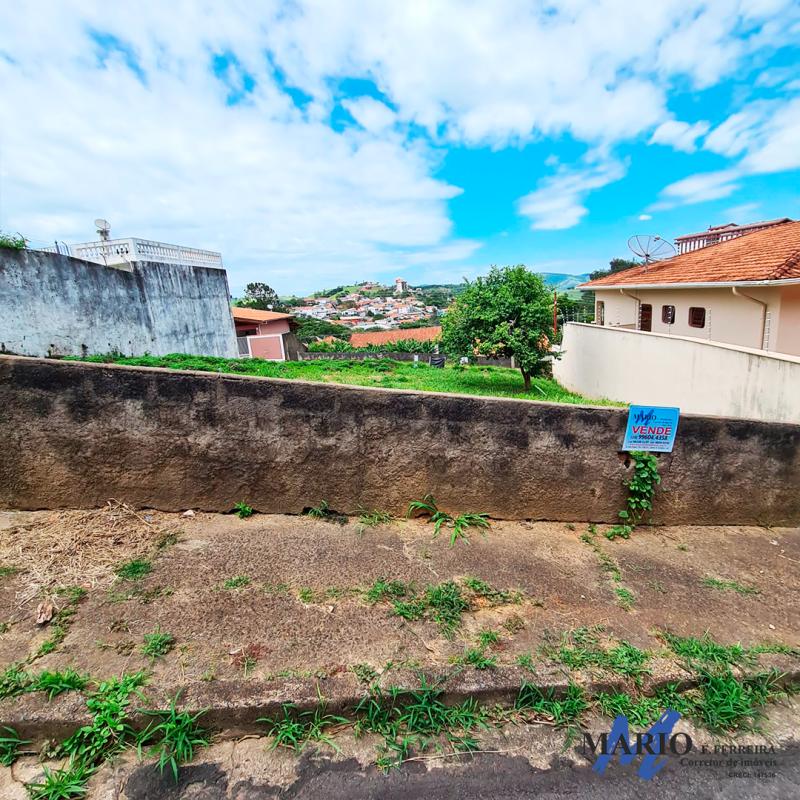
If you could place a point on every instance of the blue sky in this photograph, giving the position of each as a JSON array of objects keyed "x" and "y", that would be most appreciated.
[{"x": 317, "y": 143}]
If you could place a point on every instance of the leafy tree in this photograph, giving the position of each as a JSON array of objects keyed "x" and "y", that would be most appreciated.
[
  {"x": 615, "y": 265},
  {"x": 261, "y": 296},
  {"x": 309, "y": 328},
  {"x": 507, "y": 313}
]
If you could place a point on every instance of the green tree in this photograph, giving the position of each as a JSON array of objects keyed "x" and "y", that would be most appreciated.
[
  {"x": 507, "y": 313},
  {"x": 260, "y": 295},
  {"x": 615, "y": 265}
]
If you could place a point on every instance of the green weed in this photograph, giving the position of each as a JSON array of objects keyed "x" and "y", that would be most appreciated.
[
  {"x": 318, "y": 512},
  {"x": 59, "y": 624},
  {"x": 442, "y": 604},
  {"x": 306, "y": 595},
  {"x": 730, "y": 586},
  {"x": 6, "y": 572},
  {"x": 157, "y": 644},
  {"x": 488, "y": 637},
  {"x": 242, "y": 510},
  {"x": 173, "y": 736},
  {"x": 61, "y": 784},
  {"x": 14, "y": 680},
  {"x": 566, "y": 710},
  {"x": 412, "y": 719},
  {"x": 10, "y": 743},
  {"x": 54, "y": 683},
  {"x": 384, "y": 589},
  {"x": 364, "y": 672},
  {"x": 295, "y": 730},
  {"x": 373, "y": 518},
  {"x": 525, "y": 660},
  {"x": 133, "y": 570},
  {"x": 581, "y": 649},
  {"x": 483, "y": 589},
  {"x": 237, "y": 582},
  {"x": 477, "y": 657},
  {"x": 625, "y": 597}
]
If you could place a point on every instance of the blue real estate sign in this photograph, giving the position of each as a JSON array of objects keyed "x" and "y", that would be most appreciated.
[{"x": 651, "y": 428}]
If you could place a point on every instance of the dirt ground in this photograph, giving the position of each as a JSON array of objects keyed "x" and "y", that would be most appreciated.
[{"x": 301, "y": 610}]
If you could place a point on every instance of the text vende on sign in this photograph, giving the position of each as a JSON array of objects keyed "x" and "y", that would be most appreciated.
[{"x": 651, "y": 428}]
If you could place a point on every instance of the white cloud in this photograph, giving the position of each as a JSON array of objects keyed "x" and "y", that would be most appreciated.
[
  {"x": 736, "y": 133},
  {"x": 698, "y": 189},
  {"x": 645, "y": 217},
  {"x": 139, "y": 129},
  {"x": 558, "y": 201},
  {"x": 370, "y": 113},
  {"x": 680, "y": 135},
  {"x": 776, "y": 145}
]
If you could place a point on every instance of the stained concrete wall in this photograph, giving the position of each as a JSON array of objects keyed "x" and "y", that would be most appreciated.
[
  {"x": 696, "y": 376},
  {"x": 56, "y": 305},
  {"x": 75, "y": 434}
]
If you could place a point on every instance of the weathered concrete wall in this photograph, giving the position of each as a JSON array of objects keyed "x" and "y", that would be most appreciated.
[
  {"x": 57, "y": 305},
  {"x": 698, "y": 377},
  {"x": 75, "y": 434}
]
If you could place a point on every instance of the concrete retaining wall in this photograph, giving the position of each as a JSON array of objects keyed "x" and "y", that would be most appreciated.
[
  {"x": 75, "y": 434},
  {"x": 56, "y": 305},
  {"x": 696, "y": 376}
]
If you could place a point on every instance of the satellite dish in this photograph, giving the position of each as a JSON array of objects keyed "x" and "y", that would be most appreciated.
[
  {"x": 651, "y": 248},
  {"x": 103, "y": 228}
]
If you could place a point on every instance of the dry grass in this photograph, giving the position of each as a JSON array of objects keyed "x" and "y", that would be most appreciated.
[{"x": 81, "y": 548}]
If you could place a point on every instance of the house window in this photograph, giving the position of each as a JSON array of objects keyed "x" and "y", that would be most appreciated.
[
  {"x": 601, "y": 312},
  {"x": 668, "y": 315},
  {"x": 697, "y": 317}
]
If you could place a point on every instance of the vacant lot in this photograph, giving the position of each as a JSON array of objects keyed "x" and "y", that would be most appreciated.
[
  {"x": 235, "y": 617},
  {"x": 487, "y": 381}
]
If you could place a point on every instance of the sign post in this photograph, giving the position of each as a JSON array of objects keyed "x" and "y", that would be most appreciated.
[{"x": 651, "y": 428}]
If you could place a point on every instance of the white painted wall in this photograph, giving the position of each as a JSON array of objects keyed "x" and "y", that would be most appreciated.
[
  {"x": 730, "y": 318},
  {"x": 698, "y": 377}
]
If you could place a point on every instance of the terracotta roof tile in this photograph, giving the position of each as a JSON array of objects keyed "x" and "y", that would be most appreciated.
[
  {"x": 241, "y": 314},
  {"x": 396, "y": 335},
  {"x": 766, "y": 255}
]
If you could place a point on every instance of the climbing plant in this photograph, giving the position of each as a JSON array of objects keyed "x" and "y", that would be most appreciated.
[{"x": 641, "y": 489}]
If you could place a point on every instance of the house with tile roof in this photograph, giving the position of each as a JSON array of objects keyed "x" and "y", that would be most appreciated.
[
  {"x": 266, "y": 334},
  {"x": 741, "y": 291}
]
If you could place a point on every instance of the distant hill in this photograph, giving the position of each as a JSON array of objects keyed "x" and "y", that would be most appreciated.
[{"x": 561, "y": 282}]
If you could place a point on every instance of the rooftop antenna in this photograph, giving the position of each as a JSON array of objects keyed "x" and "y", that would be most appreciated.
[
  {"x": 103, "y": 229},
  {"x": 651, "y": 248}
]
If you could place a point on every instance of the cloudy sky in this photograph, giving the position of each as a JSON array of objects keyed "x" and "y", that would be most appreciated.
[{"x": 325, "y": 141}]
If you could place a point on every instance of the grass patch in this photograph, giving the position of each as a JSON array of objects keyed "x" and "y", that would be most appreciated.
[
  {"x": 242, "y": 510},
  {"x": 729, "y": 586},
  {"x": 705, "y": 653},
  {"x": 364, "y": 672},
  {"x": 373, "y": 518},
  {"x": 442, "y": 604},
  {"x": 610, "y": 568},
  {"x": 237, "y": 582},
  {"x": 157, "y": 644},
  {"x": 544, "y": 703},
  {"x": 55, "y": 683},
  {"x": 61, "y": 784},
  {"x": 497, "y": 596},
  {"x": 582, "y": 649},
  {"x": 59, "y": 624},
  {"x": 10, "y": 743},
  {"x": 294, "y": 730},
  {"x": 7, "y": 572},
  {"x": 475, "y": 380},
  {"x": 477, "y": 657},
  {"x": 408, "y": 720},
  {"x": 384, "y": 589},
  {"x": 173, "y": 736},
  {"x": 133, "y": 570},
  {"x": 441, "y": 519}
]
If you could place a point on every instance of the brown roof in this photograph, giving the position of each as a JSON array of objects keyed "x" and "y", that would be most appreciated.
[
  {"x": 241, "y": 314},
  {"x": 396, "y": 335},
  {"x": 771, "y": 254}
]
